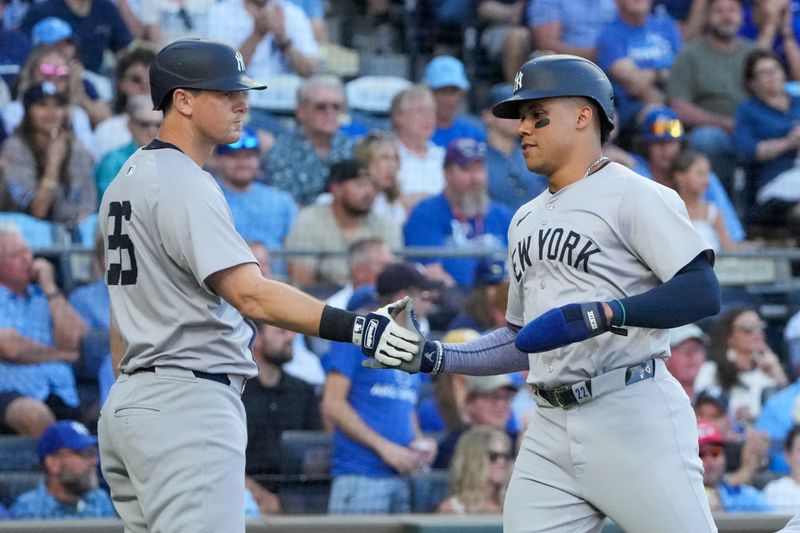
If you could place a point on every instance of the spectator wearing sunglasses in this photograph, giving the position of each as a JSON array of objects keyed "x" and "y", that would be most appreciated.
[
  {"x": 48, "y": 63},
  {"x": 723, "y": 495},
  {"x": 143, "y": 124},
  {"x": 132, "y": 79},
  {"x": 741, "y": 363},
  {"x": 661, "y": 139},
  {"x": 479, "y": 472},
  {"x": 299, "y": 161}
]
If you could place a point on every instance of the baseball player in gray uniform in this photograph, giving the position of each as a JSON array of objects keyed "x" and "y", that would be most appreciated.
[
  {"x": 602, "y": 263},
  {"x": 184, "y": 288}
]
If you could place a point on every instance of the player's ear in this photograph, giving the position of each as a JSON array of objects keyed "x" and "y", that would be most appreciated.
[{"x": 182, "y": 101}]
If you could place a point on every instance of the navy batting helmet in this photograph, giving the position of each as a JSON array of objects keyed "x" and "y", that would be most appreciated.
[
  {"x": 198, "y": 64},
  {"x": 560, "y": 75}
]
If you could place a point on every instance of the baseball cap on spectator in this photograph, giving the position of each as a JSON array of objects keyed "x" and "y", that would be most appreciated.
[
  {"x": 396, "y": 277},
  {"x": 498, "y": 93},
  {"x": 463, "y": 151},
  {"x": 248, "y": 140},
  {"x": 51, "y": 30},
  {"x": 709, "y": 433},
  {"x": 40, "y": 91},
  {"x": 490, "y": 272},
  {"x": 346, "y": 169},
  {"x": 65, "y": 434},
  {"x": 364, "y": 297},
  {"x": 488, "y": 384},
  {"x": 715, "y": 395},
  {"x": 662, "y": 124},
  {"x": 446, "y": 71},
  {"x": 684, "y": 333}
]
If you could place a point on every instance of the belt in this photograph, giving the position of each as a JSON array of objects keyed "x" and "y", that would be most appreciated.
[
  {"x": 567, "y": 396},
  {"x": 219, "y": 378}
]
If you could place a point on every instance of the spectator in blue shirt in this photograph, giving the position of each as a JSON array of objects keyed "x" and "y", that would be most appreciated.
[
  {"x": 723, "y": 496},
  {"x": 776, "y": 419},
  {"x": 68, "y": 454},
  {"x": 446, "y": 77},
  {"x": 260, "y": 213},
  {"x": 39, "y": 335},
  {"x": 637, "y": 50},
  {"x": 462, "y": 217},
  {"x": 570, "y": 26},
  {"x": 775, "y": 25}
]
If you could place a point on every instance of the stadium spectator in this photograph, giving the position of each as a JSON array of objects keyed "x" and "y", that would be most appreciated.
[
  {"x": 690, "y": 15},
  {"x": 237, "y": 170},
  {"x": 14, "y": 48},
  {"x": 690, "y": 174},
  {"x": 462, "y": 217},
  {"x": 783, "y": 494},
  {"x": 477, "y": 309},
  {"x": 687, "y": 353},
  {"x": 637, "y": 50},
  {"x": 97, "y": 24},
  {"x": 487, "y": 402},
  {"x": 48, "y": 63},
  {"x": 780, "y": 413},
  {"x": 299, "y": 161},
  {"x": 48, "y": 172},
  {"x": 775, "y": 24},
  {"x": 68, "y": 454},
  {"x": 706, "y": 85},
  {"x": 378, "y": 151},
  {"x": 376, "y": 440},
  {"x": 767, "y": 138},
  {"x": 741, "y": 362},
  {"x": 479, "y": 472},
  {"x": 712, "y": 404},
  {"x": 366, "y": 258},
  {"x": 274, "y": 36},
  {"x": 447, "y": 78},
  {"x": 413, "y": 114},
  {"x": 143, "y": 123},
  {"x": 569, "y": 26},
  {"x": 52, "y": 31},
  {"x": 132, "y": 80},
  {"x": 506, "y": 37},
  {"x": 274, "y": 402},
  {"x": 724, "y": 496},
  {"x": 328, "y": 229},
  {"x": 315, "y": 11},
  {"x": 661, "y": 139},
  {"x": 510, "y": 181},
  {"x": 39, "y": 335}
]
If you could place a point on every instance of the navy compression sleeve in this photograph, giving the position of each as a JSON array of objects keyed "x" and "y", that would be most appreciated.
[{"x": 693, "y": 293}]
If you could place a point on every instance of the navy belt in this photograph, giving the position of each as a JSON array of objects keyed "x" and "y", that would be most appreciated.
[
  {"x": 567, "y": 396},
  {"x": 219, "y": 378}
]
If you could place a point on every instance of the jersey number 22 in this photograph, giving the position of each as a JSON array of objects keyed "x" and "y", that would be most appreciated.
[{"x": 119, "y": 240}]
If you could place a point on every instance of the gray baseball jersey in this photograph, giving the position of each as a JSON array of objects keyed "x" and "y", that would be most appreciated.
[
  {"x": 167, "y": 228},
  {"x": 610, "y": 235}
]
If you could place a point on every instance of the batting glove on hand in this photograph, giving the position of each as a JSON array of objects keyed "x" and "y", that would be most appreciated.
[
  {"x": 381, "y": 337},
  {"x": 428, "y": 359},
  {"x": 564, "y": 325}
]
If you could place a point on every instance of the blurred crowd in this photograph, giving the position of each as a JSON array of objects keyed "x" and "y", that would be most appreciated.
[{"x": 344, "y": 176}]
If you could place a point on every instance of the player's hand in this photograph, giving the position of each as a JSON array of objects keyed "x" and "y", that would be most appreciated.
[
  {"x": 382, "y": 337},
  {"x": 564, "y": 325},
  {"x": 428, "y": 359}
]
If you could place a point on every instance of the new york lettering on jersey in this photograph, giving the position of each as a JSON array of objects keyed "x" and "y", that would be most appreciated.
[{"x": 554, "y": 244}]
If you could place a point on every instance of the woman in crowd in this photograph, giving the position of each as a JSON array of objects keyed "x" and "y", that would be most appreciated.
[
  {"x": 378, "y": 151},
  {"x": 48, "y": 173},
  {"x": 48, "y": 63},
  {"x": 741, "y": 362},
  {"x": 479, "y": 473}
]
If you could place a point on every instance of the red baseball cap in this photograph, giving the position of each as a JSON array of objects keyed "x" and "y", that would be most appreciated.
[{"x": 708, "y": 433}]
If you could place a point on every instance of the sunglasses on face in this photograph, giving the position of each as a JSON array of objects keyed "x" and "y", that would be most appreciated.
[
  {"x": 671, "y": 128},
  {"x": 327, "y": 106},
  {"x": 494, "y": 456},
  {"x": 711, "y": 451},
  {"x": 58, "y": 71}
]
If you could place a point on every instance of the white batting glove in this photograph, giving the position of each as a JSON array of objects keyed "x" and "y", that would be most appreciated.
[{"x": 381, "y": 337}]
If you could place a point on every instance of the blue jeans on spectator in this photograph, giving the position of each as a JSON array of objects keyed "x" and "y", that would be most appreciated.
[{"x": 717, "y": 145}]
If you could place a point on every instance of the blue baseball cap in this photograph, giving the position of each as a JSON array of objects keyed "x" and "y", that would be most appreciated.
[
  {"x": 364, "y": 297},
  {"x": 662, "y": 124},
  {"x": 51, "y": 30},
  {"x": 498, "y": 93},
  {"x": 38, "y": 92},
  {"x": 446, "y": 71},
  {"x": 248, "y": 140},
  {"x": 491, "y": 272},
  {"x": 463, "y": 151},
  {"x": 65, "y": 434}
]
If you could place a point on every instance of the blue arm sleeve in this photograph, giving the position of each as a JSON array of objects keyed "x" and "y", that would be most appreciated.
[{"x": 694, "y": 288}]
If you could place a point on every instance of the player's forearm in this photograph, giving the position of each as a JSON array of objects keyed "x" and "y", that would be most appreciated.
[{"x": 487, "y": 355}]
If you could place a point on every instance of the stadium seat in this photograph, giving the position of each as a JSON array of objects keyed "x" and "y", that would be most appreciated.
[
  {"x": 18, "y": 453},
  {"x": 38, "y": 233},
  {"x": 428, "y": 490}
]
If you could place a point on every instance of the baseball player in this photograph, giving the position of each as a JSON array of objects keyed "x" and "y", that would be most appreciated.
[
  {"x": 184, "y": 288},
  {"x": 602, "y": 263}
]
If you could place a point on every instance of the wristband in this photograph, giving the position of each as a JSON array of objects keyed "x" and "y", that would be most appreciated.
[{"x": 337, "y": 324}]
